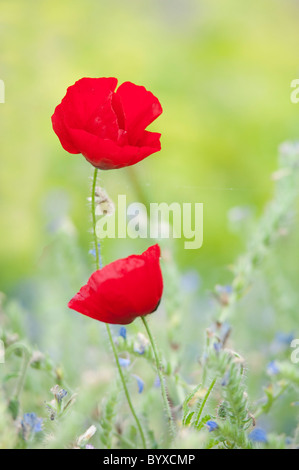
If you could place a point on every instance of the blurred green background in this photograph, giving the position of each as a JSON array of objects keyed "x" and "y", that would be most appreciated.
[{"x": 222, "y": 71}]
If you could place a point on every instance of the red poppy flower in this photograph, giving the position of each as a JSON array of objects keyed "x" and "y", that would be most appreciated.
[
  {"x": 123, "y": 290},
  {"x": 107, "y": 127}
]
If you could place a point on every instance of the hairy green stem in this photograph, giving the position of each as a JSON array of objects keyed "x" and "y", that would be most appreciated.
[
  {"x": 107, "y": 325},
  {"x": 161, "y": 378},
  {"x": 204, "y": 402},
  {"x": 93, "y": 215},
  {"x": 20, "y": 384},
  {"x": 24, "y": 367},
  {"x": 125, "y": 386}
]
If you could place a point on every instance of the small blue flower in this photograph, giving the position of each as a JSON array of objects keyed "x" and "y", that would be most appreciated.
[
  {"x": 272, "y": 368},
  {"x": 124, "y": 362},
  {"x": 284, "y": 338},
  {"x": 258, "y": 435},
  {"x": 281, "y": 342},
  {"x": 92, "y": 252},
  {"x": 139, "y": 349},
  {"x": 190, "y": 281},
  {"x": 140, "y": 383},
  {"x": 211, "y": 425},
  {"x": 33, "y": 421},
  {"x": 89, "y": 446},
  {"x": 31, "y": 424},
  {"x": 123, "y": 332},
  {"x": 61, "y": 394},
  {"x": 223, "y": 289}
]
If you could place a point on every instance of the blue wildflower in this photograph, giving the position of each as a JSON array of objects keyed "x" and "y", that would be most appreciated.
[
  {"x": 123, "y": 332},
  {"x": 223, "y": 289},
  {"x": 281, "y": 342},
  {"x": 32, "y": 421},
  {"x": 284, "y": 338},
  {"x": 30, "y": 424},
  {"x": 92, "y": 252},
  {"x": 139, "y": 349},
  {"x": 272, "y": 368},
  {"x": 61, "y": 394},
  {"x": 124, "y": 362},
  {"x": 89, "y": 446},
  {"x": 140, "y": 383},
  {"x": 211, "y": 425},
  {"x": 258, "y": 435}
]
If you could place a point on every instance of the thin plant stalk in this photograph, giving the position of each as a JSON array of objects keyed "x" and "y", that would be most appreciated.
[
  {"x": 25, "y": 363},
  {"x": 161, "y": 378},
  {"x": 204, "y": 402}
]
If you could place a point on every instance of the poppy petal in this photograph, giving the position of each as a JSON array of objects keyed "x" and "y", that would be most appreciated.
[
  {"x": 107, "y": 127},
  {"x": 106, "y": 154},
  {"x": 140, "y": 108},
  {"x": 122, "y": 290}
]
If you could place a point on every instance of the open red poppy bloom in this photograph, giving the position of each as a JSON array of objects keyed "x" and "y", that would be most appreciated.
[
  {"x": 123, "y": 290},
  {"x": 107, "y": 127}
]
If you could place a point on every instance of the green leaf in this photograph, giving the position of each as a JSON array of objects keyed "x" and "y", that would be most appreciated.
[
  {"x": 14, "y": 406},
  {"x": 188, "y": 418}
]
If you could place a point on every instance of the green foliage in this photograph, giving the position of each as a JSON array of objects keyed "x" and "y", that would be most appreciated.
[{"x": 107, "y": 420}]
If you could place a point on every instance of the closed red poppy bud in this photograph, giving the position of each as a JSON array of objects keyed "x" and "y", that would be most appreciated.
[
  {"x": 123, "y": 290},
  {"x": 107, "y": 127}
]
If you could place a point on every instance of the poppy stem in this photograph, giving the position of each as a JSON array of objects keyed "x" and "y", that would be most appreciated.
[
  {"x": 21, "y": 378},
  {"x": 123, "y": 380},
  {"x": 161, "y": 378},
  {"x": 93, "y": 214}
]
